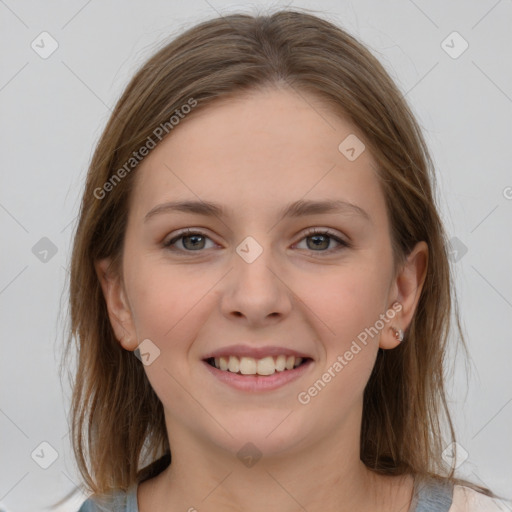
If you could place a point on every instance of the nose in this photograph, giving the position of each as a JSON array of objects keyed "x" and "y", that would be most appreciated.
[{"x": 256, "y": 292}]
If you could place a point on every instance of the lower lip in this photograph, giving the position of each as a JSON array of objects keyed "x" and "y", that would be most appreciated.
[{"x": 259, "y": 382}]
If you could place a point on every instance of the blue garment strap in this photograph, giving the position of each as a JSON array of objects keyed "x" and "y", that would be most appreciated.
[
  {"x": 433, "y": 495},
  {"x": 131, "y": 499}
]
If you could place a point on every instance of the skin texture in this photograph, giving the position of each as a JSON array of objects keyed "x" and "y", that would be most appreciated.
[{"x": 255, "y": 154}]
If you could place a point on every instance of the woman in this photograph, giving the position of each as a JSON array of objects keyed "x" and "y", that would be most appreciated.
[{"x": 259, "y": 229}]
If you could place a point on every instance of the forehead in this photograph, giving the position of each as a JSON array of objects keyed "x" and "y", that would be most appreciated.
[{"x": 258, "y": 151}]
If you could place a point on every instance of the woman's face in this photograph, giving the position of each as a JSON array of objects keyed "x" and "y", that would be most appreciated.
[{"x": 250, "y": 283}]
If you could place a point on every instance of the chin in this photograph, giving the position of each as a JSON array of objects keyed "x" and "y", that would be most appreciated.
[{"x": 266, "y": 436}]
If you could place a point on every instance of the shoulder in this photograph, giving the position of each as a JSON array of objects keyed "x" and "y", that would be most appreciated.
[
  {"x": 117, "y": 501},
  {"x": 466, "y": 499}
]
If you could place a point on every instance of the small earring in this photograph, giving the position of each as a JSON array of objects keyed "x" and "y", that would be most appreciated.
[{"x": 399, "y": 334}]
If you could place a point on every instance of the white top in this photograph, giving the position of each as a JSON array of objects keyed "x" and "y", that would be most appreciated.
[{"x": 466, "y": 499}]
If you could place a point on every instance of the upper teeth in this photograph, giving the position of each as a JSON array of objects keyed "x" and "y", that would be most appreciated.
[{"x": 250, "y": 366}]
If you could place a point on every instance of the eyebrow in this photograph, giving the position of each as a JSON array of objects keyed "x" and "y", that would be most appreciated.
[{"x": 298, "y": 208}]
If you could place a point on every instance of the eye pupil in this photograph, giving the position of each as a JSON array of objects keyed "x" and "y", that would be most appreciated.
[
  {"x": 195, "y": 237},
  {"x": 316, "y": 239}
]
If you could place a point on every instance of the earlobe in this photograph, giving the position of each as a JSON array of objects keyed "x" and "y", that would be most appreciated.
[
  {"x": 117, "y": 304},
  {"x": 393, "y": 334}
]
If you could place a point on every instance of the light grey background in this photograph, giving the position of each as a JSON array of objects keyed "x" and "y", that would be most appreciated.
[{"x": 54, "y": 109}]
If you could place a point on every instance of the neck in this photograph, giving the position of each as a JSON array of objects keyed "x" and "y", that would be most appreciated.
[{"x": 327, "y": 476}]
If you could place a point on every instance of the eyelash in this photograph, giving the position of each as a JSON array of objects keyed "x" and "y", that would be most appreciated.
[{"x": 309, "y": 233}]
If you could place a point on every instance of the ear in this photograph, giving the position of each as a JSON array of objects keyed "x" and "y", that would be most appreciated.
[
  {"x": 406, "y": 290},
  {"x": 118, "y": 307}
]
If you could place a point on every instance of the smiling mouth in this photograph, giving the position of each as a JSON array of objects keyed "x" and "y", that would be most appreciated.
[{"x": 250, "y": 366}]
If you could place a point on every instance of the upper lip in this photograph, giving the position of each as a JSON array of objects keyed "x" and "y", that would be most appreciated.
[{"x": 255, "y": 352}]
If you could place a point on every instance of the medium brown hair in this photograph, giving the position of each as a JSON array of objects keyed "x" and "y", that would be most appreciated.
[{"x": 117, "y": 421}]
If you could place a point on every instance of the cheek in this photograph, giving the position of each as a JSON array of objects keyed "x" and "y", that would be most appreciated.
[
  {"x": 347, "y": 309},
  {"x": 349, "y": 299},
  {"x": 348, "y": 304},
  {"x": 168, "y": 305},
  {"x": 167, "y": 301}
]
